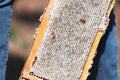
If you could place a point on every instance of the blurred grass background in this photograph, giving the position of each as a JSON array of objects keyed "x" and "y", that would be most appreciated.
[{"x": 24, "y": 22}]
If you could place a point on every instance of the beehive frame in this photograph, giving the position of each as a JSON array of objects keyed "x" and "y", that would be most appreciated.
[{"x": 26, "y": 75}]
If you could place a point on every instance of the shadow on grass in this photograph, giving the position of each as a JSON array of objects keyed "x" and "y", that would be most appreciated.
[{"x": 14, "y": 67}]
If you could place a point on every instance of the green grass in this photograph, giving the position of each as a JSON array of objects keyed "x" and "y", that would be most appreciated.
[
  {"x": 117, "y": 1},
  {"x": 13, "y": 33}
]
